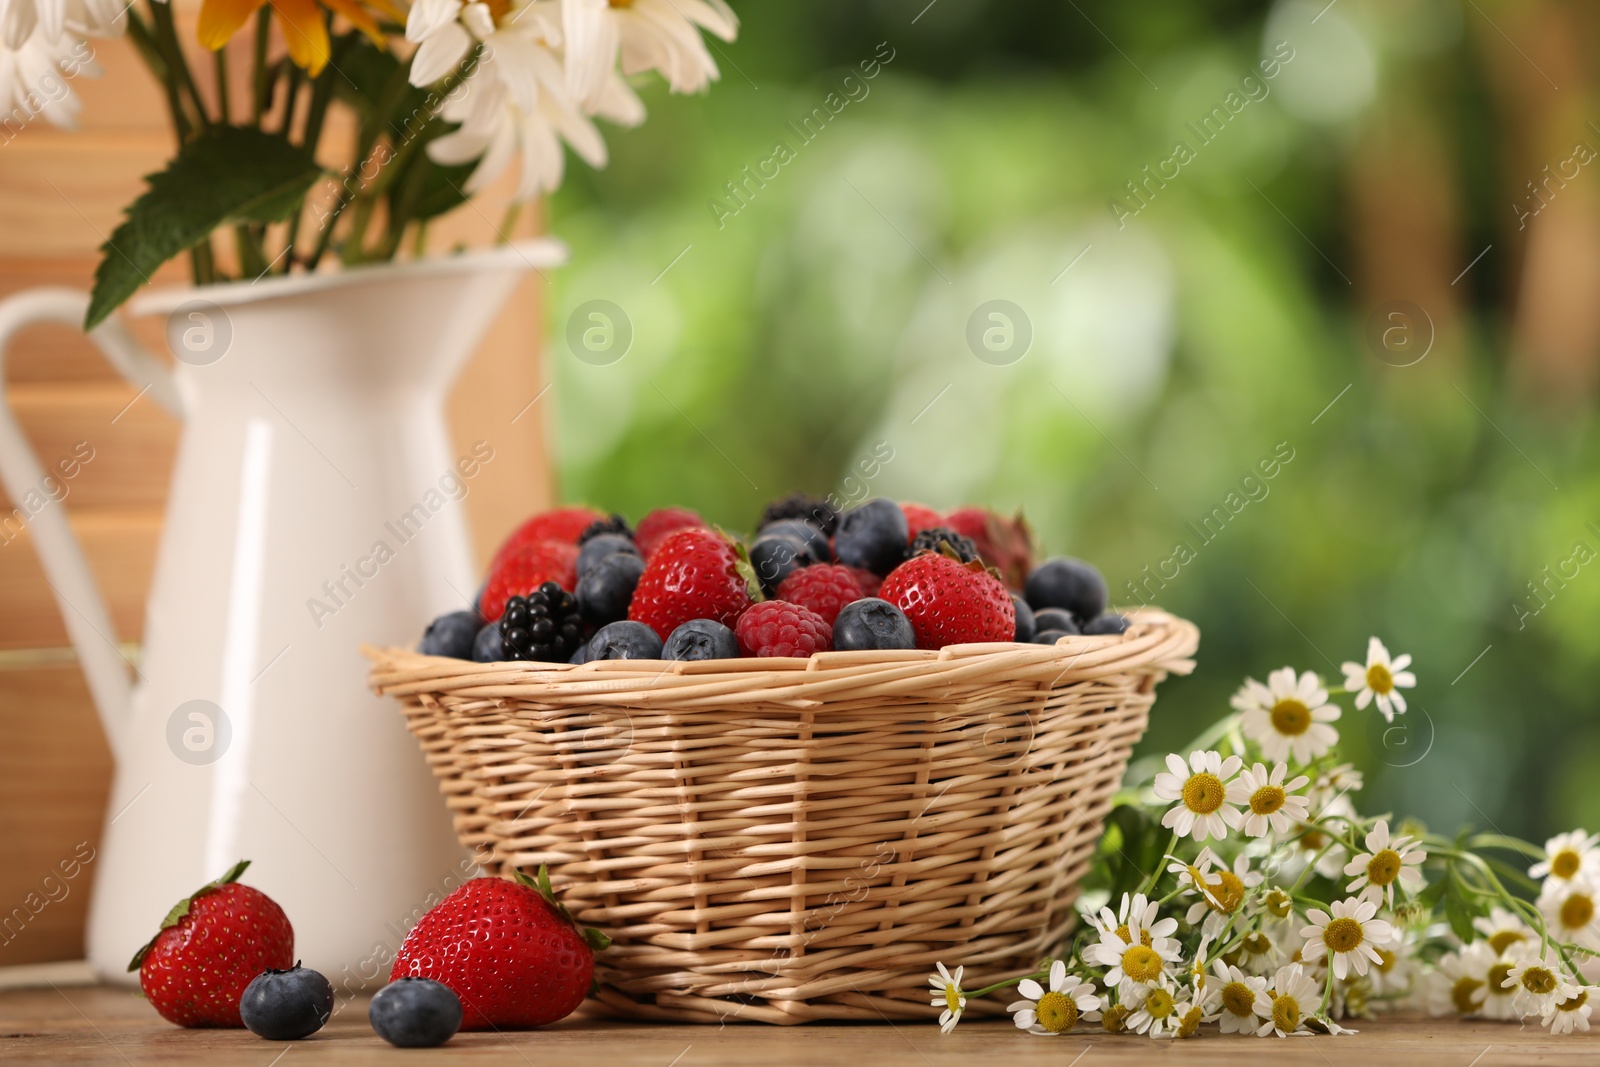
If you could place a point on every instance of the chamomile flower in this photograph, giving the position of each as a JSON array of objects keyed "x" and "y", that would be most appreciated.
[
  {"x": 1288, "y": 717},
  {"x": 1350, "y": 935},
  {"x": 1267, "y": 803},
  {"x": 1571, "y": 1012},
  {"x": 1569, "y": 911},
  {"x": 1200, "y": 788},
  {"x": 1222, "y": 889},
  {"x": 1131, "y": 959},
  {"x": 1058, "y": 1009},
  {"x": 1380, "y": 679},
  {"x": 1190, "y": 1016},
  {"x": 1266, "y": 948},
  {"x": 1498, "y": 996},
  {"x": 1501, "y": 929},
  {"x": 1159, "y": 1012},
  {"x": 1241, "y": 1000},
  {"x": 1457, "y": 984},
  {"x": 1538, "y": 983},
  {"x": 1394, "y": 975},
  {"x": 947, "y": 993},
  {"x": 1389, "y": 860},
  {"x": 1337, "y": 781},
  {"x": 1292, "y": 997},
  {"x": 1566, "y": 856},
  {"x": 1137, "y": 920}
]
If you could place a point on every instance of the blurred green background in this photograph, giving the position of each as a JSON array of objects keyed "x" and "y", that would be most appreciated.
[{"x": 1443, "y": 449}]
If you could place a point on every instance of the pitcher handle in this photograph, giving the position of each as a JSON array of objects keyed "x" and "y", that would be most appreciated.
[{"x": 82, "y": 607}]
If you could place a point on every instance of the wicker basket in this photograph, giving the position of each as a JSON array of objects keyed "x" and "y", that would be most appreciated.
[{"x": 786, "y": 840}]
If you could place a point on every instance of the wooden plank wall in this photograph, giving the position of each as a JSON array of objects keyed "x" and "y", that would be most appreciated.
[{"x": 61, "y": 192}]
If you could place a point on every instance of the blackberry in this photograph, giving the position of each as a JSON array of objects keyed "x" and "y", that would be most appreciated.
[
  {"x": 611, "y": 524},
  {"x": 544, "y": 625},
  {"x": 929, "y": 540},
  {"x": 812, "y": 509}
]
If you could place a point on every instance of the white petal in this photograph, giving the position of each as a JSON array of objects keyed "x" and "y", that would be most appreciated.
[
  {"x": 1030, "y": 989},
  {"x": 440, "y": 54}
]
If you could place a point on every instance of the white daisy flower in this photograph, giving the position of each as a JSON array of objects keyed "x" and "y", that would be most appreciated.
[
  {"x": 1338, "y": 780},
  {"x": 1380, "y": 679},
  {"x": 1501, "y": 929},
  {"x": 1190, "y": 1016},
  {"x": 1159, "y": 1011},
  {"x": 1267, "y": 803},
  {"x": 1288, "y": 717},
  {"x": 947, "y": 993},
  {"x": 1201, "y": 791},
  {"x": 1456, "y": 986},
  {"x": 1266, "y": 948},
  {"x": 1566, "y": 856},
  {"x": 1572, "y": 1012},
  {"x": 1222, "y": 889},
  {"x": 1538, "y": 983},
  {"x": 1350, "y": 935},
  {"x": 1394, "y": 976},
  {"x": 1239, "y": 999},
  {"x": 1131, "y": 959},
  {"x": 36, "y": 75},
  {"x": 1137, "y": 920},
  {"x": 1058, "y": 1009},
  {"x": 660, "y": 35},
  {"x": 1569, "y": 911},
  {"x": 1293, "y": 996},
  {"x": 1388, "y": 861},
  {"x": 1314, "y": 846},
  {"x": 1498, "y": 997}
]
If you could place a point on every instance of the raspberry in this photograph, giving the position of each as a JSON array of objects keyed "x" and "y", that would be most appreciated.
[
  {"x": 525, "y": 569},
  {"x": 694, "y": 574},
  {"x": 950, "y": 602},
  {"x": 870, "y": 583},
  {"x": 919, "y": 517},
  {"x": 654, "y": 528},
  {"x": 779, "y": 628},
  {"x": 825, "y": 588}
]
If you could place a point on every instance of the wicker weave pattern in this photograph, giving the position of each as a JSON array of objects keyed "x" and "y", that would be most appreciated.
[{"x": 791, "y": 840}]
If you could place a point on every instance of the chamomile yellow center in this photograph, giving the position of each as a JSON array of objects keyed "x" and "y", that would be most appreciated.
[
  {"x": 1159, "y": 1004},
  {"x": 1379, "y": 680},
  {"x": 1343, "y": 935},
  {"x": 1576, "y": 911},
  {"x": 1574, "y": 1003},
  {"x": 1267, "y": 800},
  {"x": 1566, "y": 863},
  {"x": 1127, "y": 935},
  {"x": 1504, "y": 939},
  {"x": 1239, "y": 999},
  {"x": 952, "y": 998},
  {"x": 1141, "y": 963},
  {"x": 1286, "y": 1014},
  {"x": 1464, "y": 995},
  {"x": 1228, "y": 895},
  {"x": 1203, "y": 793},
  {"x": 1279, "y": 903},
  {"x": 1384, "y": 867},
  {"x": 1539, "y": 981},
  {"x": 1313, "y": 841},
  {"x": 1497, "y": 977},
  {"x": 1385, "y": 961},
  {"x": 1115, "y": 1019},
  {"x": 1291, "y": 717},
  {"x": 1189, "y": 1024},
  {"x": 1256, "y": 943},
  {"x": 1057, "y": 1012}
]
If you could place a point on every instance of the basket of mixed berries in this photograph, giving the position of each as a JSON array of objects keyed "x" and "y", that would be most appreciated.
[{"x": 786, "y": 777}]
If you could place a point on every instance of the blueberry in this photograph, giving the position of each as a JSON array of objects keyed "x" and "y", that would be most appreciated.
[
  {"x": 776, "y": 556},
  {"x": 286, "y": 1005},
  {"x": 624, "y": 640},
  {"x": 602, "y": 546},
  {"x": 1025, "y": 625},
  {"x": 1109, "y": 623},
  {"x": 801, "y": 530},
  {"x": 872, "y": 536},
  {"x": 1055, "y": 619},
  {"x": 1067, "y": 583},
  {"x": 604, "y": 593},
  {"x": 451, "y": 635},
  {"x": 489, "y": 646},
  {"x": 701, "y": 639},
  {"x": 582, "y": 655},
  {"x": 871, "y": 623},
  {"x": 415, "y": 1013},
  {"x": 1050, "y": 637}
]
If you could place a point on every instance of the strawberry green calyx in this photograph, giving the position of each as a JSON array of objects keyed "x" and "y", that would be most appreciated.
[
  {"x": 596, "y": 940},
  {"x": 742, "y": 564},
  {"x": 975, "y": 566},
  {"x": 181, "y": 909}
]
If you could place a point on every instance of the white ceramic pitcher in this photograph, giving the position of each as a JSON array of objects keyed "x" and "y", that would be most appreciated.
[{"x": 313, "y": 434}]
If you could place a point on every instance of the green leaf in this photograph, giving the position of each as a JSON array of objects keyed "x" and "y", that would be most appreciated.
[{"x": 233, "y": 174}]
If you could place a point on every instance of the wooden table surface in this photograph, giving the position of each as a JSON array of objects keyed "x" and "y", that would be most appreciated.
[{"x": 113, "y": 1026}]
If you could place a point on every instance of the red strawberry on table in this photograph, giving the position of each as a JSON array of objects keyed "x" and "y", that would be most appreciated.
[
  {"x": 559, "y": 524},
  {"x": 525, "y": 569},
  {"x": 950, "y": 602},
  {"x": 693, "y": 574},
  {"x": 1005, "y": 544},
  {"x": 514, "y": 956},
  {"x": 210, "y": 946},
  {"x": 661, "y": 523}
]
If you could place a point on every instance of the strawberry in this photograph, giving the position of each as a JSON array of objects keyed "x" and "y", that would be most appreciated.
[
  {"x": 919, "y": 517},
  {"x": 656, "y": 526},
  {"x": 525, "y": 569},
  {"x": 210, "y": 946},
  {"x": 693, "y": 574},
  {"x": 1005, "y": 544},
  {"x": 825, "y": 588},
  {"x": 561, "y": 524},
  {"x": 514, "y": 956},
  {"x": 950, "y": 602}
]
